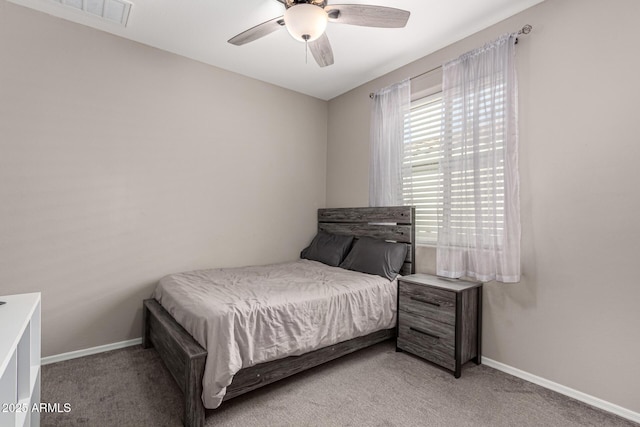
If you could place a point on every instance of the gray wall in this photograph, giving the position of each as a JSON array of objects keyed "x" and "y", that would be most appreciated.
[
  {"x": 574, "y": 318},
  {"x": 120, "y": 163}
]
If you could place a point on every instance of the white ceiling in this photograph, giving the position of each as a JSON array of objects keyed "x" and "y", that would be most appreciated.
[{"x": 199, "y": 29}]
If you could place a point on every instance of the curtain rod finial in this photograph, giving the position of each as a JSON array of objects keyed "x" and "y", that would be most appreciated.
[{"x": 526, "y": 29}]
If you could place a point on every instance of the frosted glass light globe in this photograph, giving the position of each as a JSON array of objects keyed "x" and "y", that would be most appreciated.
[{"x": 304, "y": 20}]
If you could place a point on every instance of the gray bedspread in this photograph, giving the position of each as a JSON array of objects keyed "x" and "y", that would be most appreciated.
[{"x": 249, "y": 315}]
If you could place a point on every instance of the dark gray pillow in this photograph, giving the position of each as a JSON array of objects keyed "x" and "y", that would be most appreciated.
[
  {"x": 375, "y": 256},
  {"x": 327, "y": 248}
]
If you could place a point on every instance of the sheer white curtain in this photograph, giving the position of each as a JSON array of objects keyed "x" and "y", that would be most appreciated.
[
  {"x": 390, "y": 109},
  {"x": 479, "y": 226}
]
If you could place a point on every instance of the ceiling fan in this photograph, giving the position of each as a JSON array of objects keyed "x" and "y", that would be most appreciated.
[{"x": 307, "y": 20}]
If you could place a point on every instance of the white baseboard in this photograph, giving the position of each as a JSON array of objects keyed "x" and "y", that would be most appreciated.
[
  {"x": 89, "y": 351},
  {"x": 575, "y": 394}
]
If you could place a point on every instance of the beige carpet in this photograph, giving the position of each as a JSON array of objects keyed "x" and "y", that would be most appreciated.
[{"x": 374, "y": 387}]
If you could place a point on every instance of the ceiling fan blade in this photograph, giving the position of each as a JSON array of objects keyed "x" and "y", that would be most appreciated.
[
  {"x": 367, "y": 15},
  {"x": 321, "y": 50},
  {"x": 258, "y": 31}
]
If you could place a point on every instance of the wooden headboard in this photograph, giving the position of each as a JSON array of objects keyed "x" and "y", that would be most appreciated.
[{"x": 393, "y": 223}]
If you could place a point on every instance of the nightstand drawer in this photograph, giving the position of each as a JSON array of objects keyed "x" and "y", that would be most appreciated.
[
  {"x": 436, "y": 304},
  {"x": 430, "y": 339}
]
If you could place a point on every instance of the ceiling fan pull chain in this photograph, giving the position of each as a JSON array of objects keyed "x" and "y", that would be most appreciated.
[{"x": 306, "y": 48}]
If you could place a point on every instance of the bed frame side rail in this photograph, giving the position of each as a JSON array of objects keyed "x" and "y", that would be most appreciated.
[{"x": 262, "y": 374}]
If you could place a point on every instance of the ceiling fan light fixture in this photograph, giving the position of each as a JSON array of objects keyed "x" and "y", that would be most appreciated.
[{"x": 305, "y": 22}]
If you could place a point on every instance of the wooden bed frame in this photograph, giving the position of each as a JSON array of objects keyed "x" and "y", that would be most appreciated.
[{"x": 185, "y": 358}]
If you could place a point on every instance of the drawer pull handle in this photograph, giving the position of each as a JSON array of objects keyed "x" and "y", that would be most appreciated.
[
  {"x": 435, "y": 304},
  {"x": 411, "y": 328}
]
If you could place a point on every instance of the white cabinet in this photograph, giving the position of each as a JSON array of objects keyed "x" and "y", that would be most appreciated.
[{"x": 19, "y": 360}]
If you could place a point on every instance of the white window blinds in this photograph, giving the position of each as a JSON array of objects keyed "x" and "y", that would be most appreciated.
[
  {"x": 422, "y": 182},
  {"x": 474, "y": 193}
]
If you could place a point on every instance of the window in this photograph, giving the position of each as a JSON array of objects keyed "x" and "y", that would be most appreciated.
[{"x": 422, "y": 182}]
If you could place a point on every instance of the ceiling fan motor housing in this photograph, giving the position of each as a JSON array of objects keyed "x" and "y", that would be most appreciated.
[
  {"x": 305, "y": 21},
  {"x": 319, "y": 3}
]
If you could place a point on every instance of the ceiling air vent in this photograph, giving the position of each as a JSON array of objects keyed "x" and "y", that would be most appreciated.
[{"x": 116, "y": 11}]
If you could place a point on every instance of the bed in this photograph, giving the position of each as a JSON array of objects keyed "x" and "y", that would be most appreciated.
[{"x": 188, "y": 360}]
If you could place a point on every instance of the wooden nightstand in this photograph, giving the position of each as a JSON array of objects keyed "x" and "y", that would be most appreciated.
[{"x": 440, "y": 320}]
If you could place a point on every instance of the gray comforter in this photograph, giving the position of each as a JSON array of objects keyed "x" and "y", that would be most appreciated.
[{"x": 249, "y": 315}]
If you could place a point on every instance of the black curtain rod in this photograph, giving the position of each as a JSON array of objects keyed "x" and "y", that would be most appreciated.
[{"x": 524, "y": 30}]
